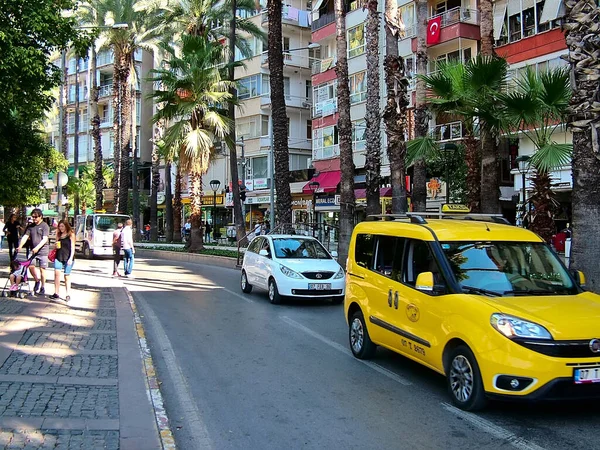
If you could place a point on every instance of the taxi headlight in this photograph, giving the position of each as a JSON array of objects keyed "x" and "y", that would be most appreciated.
[
  {"x": 289, "y": 272},
  {"x": 339, "y": 275},
  {"x": 513, "y": 327}
]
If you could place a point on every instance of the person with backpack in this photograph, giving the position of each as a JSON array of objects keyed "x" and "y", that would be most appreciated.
[{"x": 117, "y": 249}]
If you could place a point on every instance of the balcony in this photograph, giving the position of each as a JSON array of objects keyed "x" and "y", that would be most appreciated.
[
  {"x": 458, "y": 15},
  {"x": 323, "y": 21},
  {"x": 290, "y": 16},
  {"x": 458, "y": 23},
  {"x": 291, "y": 101},
  {"x": 323, "y": 65},
  {"x": 325, "y": 108},
  {"x": 329, "y": 152},
  {"x": 105, "y": 90},
  {"x": 452, "y": 131},
  {"x": 291, "y": 60}
]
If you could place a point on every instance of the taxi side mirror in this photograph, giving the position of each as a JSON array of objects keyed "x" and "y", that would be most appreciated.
[
  {"x": 579, "y": 278},
  {"x": 424, "y": 282}
]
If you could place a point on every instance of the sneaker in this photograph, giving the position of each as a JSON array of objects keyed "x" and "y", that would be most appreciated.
[
  {"x": 115, "y": 274},
  {"x": 42, "y": 291},
  {"x": 37, "y": 286},
  {"x": 54, "y": 296}
]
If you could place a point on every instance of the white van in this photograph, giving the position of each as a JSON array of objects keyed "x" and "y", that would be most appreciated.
[{"x": 94, "y": 233}]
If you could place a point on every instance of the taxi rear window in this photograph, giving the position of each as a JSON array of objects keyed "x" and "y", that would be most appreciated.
[{"x": 363, "y": 250}]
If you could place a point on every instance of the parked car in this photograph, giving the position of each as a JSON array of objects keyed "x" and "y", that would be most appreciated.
[
  {"x": 292, "y": 266},
  {"x": 490, "y": 306}
]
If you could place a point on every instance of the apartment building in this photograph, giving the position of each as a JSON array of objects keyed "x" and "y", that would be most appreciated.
[{"x": 79, "y": 82}]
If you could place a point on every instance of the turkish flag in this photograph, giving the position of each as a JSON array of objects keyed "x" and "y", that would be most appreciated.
[{"x": 433, "y": 30}]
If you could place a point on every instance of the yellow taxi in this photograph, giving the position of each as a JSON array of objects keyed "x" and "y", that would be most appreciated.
[{"x": 486, "y": 304}]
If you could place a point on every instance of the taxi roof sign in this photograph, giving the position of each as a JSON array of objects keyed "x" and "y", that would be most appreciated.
[{"x": 455, "y": 208}]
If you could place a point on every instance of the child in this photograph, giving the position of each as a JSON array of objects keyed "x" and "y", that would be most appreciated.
[{"x": 16, "y": 275}]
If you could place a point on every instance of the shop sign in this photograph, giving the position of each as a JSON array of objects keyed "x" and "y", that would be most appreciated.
[
  {"x": 301, "y": 202},
  {"x": 328, "y": 201},
  {"x": 160, "y": 198},
  {"x": 261, "y": 183},
  {"x": 249, "y": 185},
  {"x": 436, "y": 188},
  {"x": 229, "y": 200},
  {"x": 258, "y": 200},
  {"x": 208, "y": 200}
]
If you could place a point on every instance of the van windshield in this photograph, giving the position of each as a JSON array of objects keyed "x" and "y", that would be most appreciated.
[
  {"x": 109, "y": 223},
  {"x": 508, "y": 268}
]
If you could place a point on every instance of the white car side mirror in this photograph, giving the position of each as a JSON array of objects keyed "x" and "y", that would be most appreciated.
[
  {"x": 263, "y": 252},
  {"x": 334, "y": 253}
]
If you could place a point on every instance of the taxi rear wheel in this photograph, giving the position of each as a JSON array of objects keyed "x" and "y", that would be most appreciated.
[
  {"x": 464, "y": 379},
  {"x": 360, "y": 342}
]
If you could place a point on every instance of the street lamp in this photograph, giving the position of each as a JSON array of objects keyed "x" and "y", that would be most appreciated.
[
  {"x": 447, "y": 149},
  {"x": 314, "y": 187},
  {"x": 271, "y": 158},
  {"x": 523, "y": 165},
  {"x": 214, "y": 185}
]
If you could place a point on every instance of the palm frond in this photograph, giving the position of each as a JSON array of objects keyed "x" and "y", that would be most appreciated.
[
  {"x": 421, "y": 148},
  {"x": 551, "y": 157}
]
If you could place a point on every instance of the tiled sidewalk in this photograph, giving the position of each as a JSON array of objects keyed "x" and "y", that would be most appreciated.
[{"x": 71, "y": 377}]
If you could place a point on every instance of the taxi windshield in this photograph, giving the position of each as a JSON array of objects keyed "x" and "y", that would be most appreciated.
[{"x": 508, "y": 268}]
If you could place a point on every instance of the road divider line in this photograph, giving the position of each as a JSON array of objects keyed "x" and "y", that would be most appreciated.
[
  {"x": 246, "y": 299},
  {"x": 490, "y": 428},
  {"x": 194, "y": 423},
  {"x": 382, "y": 370}
]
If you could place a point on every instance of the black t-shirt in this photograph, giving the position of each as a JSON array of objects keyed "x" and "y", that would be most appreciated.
[
  {"x": 36, "y": 233},
  {"x": 13, "y": 230},
  {"x": 64, "y": 252}
]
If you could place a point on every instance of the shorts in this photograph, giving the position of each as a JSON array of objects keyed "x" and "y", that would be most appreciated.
[
  {"x": 60, "y": 266},
  {"x": 41, "y": 261}
]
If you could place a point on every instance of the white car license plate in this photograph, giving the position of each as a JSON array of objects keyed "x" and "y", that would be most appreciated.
[
  {"x": 587, "y": 375},
  {"x": 319, "y": 286}
]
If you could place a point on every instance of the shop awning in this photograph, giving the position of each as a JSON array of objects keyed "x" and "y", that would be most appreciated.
[
  {"x": 383, "y": 192},
  {"x": 328, "y": 182}
]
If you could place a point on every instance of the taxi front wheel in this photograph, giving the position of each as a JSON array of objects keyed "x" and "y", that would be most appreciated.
[
  {"x": 360, "y": 343},
  {"x": 464, "y": 379}
]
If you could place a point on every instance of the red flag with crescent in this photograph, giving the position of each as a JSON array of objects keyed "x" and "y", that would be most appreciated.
[{"x": 433, "y": 30}]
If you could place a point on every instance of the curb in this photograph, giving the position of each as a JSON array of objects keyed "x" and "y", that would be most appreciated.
[
  {"x": 213, "y": 260},
  {"x": 151, "y": 381}
]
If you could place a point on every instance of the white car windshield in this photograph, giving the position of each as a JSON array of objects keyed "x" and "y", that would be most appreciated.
[
  {"x": 508, "y": 268},
  {"x": 109, "y": 223},
  {"x": 299, "y": 249}
]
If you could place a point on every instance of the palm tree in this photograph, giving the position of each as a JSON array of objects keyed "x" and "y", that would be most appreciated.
[
  {"x": 347, "y": 200},
  {"x": 372, "y": 118},
  {"x": 536, "y": 108},
  {"x": 486, "y": 27},
  {"x": 194, "y": 98},
  {"x": 395, "y": 110},
  {"x": 177, "y": 205},
  {"x": 581, "y": 32},
  {"x": 279, "y": 117}
]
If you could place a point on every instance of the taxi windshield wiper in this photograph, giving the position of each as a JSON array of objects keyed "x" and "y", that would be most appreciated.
[
  {"x": 537, "y": 291},
  {"x": 476, "y": 290}
]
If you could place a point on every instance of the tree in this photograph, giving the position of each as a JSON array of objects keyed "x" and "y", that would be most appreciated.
[
  {"x": 486, "y": 27},
  {"x": 582, "y": 18},
  {"x": 195, "y": 99},
  {"x": 279, "y": 119},
  {"x": 395, "y": 110},
  {"x": 347, "y": 200},
  {"x": 83, "y": 187},
  {"x": 536, "y": 108},
  {"x": 372, "y": 117},
  {"x": 419, "y": 189}
]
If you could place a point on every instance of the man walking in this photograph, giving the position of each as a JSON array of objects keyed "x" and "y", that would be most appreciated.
[
  {"x": 38, "y": 236},
  {"x": 117, "y": 244},
  {"x": 128, "y": 249}
]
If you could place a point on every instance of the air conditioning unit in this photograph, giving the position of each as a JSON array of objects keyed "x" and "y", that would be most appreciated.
[{"x": 306, "y": 104}]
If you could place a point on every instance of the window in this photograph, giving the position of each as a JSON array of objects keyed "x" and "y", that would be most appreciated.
[
  {"x": 249, "y": 127},
  {"x": 528, "y": 22},
  {"x": 309, "y": 90},
  {"x": 407, "y": 13},
  {"x": 388, "y": 257},
  {"x": 260, "y": 167},
  {"x": 71, "y": 123},
  {"x": 309, "y": 129},
  {"x": 264, "y": 125},
  {"x": 255, "y": 245},
  {"x": 84, "y": 120},
  {"x": 266, "y": 86},
  {"x": 356, "y": 41},
  {"x": 249, "y": 87},
  {"x": 299, "y": 249},
  {"x": 299, "y": 162},
  {"x": 255, "y": 47},
  {"x": 358, "y": 87},
  {"x": 325, "y": 143},
  {"x": 514, "y": 27},
  {"x": 359, "y": 133},
  {"x": 419, "y": 259},
  {"x": 541, "y": 26},
  {"x": 363, "y": 250},
  {"x": 325, "y": 99}
]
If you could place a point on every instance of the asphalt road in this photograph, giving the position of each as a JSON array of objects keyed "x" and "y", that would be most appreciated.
[{"x": 240, "y": 373}]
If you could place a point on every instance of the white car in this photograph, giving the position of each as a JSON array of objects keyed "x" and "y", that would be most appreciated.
[{"x": 292, "y": 266}]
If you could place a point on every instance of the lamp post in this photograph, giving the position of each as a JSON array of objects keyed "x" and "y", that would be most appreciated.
[
  {"x": 523, "y": 164},
  {"x": 214, "y": 185},
  {"x": 314, "y": 187},
  {"x": 447, "y": 150},
  {"x": 271, "y": 158}
]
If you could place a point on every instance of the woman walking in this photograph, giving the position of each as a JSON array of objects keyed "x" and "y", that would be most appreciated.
[
  {"x": 65, "y": 253},
  {"x": 11, "y": 229}
]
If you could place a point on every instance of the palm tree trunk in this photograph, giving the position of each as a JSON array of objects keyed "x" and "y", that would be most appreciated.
[
  {"x": 541, "y": 220},
  {"x": 279, "y": 115},
  {"x": 347, "y": 200},
  {"x": 490, "y": 178},
  {"x": 135, "y": 191},
  {"x": 419, "y": 190},
  {"x": 117, "y": 139},
  {"x": 473, "y": 162},
  {"x": 125, "y": 175},
  {"x": 240, "y": 223},
  {"x": 169, "y": 225},
  {"x": 372, "y": 118},
  {"x": 486, "y": 27},
  {"x": 197, "y": 235},
  {"x": 76, "y": 137},
  {"x": 154, "y": 193},
  {"x": 95, "y": 122},
  {"x": 394, "y": 113},
  {"x": 177, "y": 207},
  {"x": 581, "y": 24}
]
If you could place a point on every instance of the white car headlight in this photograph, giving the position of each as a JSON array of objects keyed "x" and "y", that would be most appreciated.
[
  {"x": 289, "y": 272},
  {"x": 339, "y": 275},
  {"x": 512, "y": 327}
]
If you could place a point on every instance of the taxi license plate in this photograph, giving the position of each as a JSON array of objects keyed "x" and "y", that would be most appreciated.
[
  {"x": 587, "y": 375},
  {"x": 319, "y": 286}
]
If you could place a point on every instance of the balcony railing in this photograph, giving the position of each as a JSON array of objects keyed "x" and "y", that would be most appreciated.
[
  {"x": 322, "y": 65},
  {"x": 292, "y": 59},
  {"x": 325, "y": 108},
  {"x": 331, "y": 151},
  {"x": 299, "y": 19},
  {"x": 458, "y": 14},
  {"x": 105, "y": 90},
  {"x": 452, "y": 131},
  {"x": 323, "y": 21}
]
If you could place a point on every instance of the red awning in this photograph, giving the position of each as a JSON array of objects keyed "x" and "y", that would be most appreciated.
[
  {"x": 328, "y": 182},
  {"x": 383, "y": 192}
]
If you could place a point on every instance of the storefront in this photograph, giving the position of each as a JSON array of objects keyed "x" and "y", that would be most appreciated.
[
  {"x": 257, "y": 207},
  {"x": 328, "y": 220}
]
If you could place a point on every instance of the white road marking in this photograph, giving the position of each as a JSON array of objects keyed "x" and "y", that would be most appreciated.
[
  {"x": 243, "y": 297},
  {"x": 490, "y": 428},
  {"x": 190, "y": 414},
  {"x": 382, "y": 370}
]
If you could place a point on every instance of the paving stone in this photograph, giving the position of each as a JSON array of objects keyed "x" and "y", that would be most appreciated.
[
  {"x": 81, "y": 311},
  {"x": 8, "y": 306},
  {"x": 58, "y": 439},
  {"x": 48, "y": 400},
  {"x": 69, "y": 366},
  {"x": 69, "y": 340},
  {"x": 83, "y": 324}
]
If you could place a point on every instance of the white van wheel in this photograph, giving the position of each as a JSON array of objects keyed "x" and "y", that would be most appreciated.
[{"x": 87, "y": 253}]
